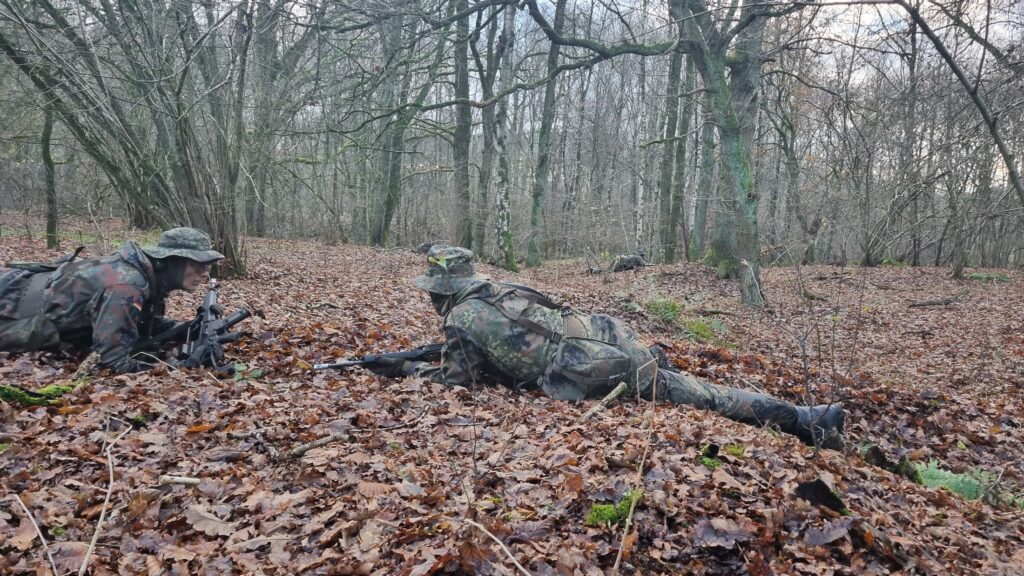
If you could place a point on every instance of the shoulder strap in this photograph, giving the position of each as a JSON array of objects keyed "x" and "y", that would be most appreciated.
[
  {"x": 533, "y": 295},
  {"x": 518, "y": 319},
  {"x": 43, "y": 267}
]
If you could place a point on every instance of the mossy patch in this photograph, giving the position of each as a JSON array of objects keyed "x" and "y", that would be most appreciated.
[
  {"x": 970, "y": 485},
  {"x": 709, "y": 456},
  {"x": 710, "y": 332},
  {"x": 989, "y": 277},
  {"x": 736, "y": 450},
  {"x": 45, "y": 396},
  {"x": 725, "y": 266},
  {"x": 4, "y": 446},
  {"x": 613, "y": 514},
  {"x": 663, "y": 309},
  {"x": 710, "y": 462}
]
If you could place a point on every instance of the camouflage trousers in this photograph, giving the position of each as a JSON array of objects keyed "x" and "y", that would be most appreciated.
[{"x": 733, "y": 403}]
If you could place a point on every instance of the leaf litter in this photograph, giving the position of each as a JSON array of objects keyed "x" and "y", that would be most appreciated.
[{"x": 940, "y": 383}]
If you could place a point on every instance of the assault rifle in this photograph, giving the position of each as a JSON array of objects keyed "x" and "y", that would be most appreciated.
[
  {"x": 204, "y": 336},
  {"x": 428, "y": 353}
]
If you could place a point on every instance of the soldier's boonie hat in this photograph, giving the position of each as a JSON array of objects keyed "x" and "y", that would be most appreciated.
[
  {"x": 185, "y": 242},
  {"x": 449, "y": 270}
]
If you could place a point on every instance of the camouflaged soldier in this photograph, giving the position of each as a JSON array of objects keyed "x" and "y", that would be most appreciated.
[
  {"x": 108, "y": 303},
  {"x": 514, "y": 336},
  {"x": 625, "y": 262}
]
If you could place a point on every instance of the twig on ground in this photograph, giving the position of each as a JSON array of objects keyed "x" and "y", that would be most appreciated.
[
  {"x": 501, "y": 544},
  {"x": 106, "y": 500},
  {"x": 941, "y": 301},
  {"x": 39, "y": 533},
  {"x": 299, "y": 451},
  {"x": 639, "y": 476},
  {"x": 271, "y": 451},
  {"x": 604, "y": 402},
  {"x": 182, "y": 480}
]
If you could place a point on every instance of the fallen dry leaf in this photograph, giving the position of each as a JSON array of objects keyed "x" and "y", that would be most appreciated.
[{"x": 207, "y": 523}]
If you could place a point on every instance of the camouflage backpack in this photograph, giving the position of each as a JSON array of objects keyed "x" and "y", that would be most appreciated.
[
  {"x": 581, "y": 367},
  {"x": 584, "y": 368},
  {"x": 19, "y": 280}
]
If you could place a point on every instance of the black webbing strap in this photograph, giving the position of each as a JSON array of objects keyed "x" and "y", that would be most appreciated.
[{"x": 533, "y": 295}]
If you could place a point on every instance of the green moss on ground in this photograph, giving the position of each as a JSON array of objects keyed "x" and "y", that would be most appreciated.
[
  {"x": 613, "y": 514},
  {"x": 45, "y": 396}
]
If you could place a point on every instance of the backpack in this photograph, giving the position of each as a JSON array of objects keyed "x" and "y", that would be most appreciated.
[
  {"x": 22, "y": 284},
  {"x": 581, "y": 367}
]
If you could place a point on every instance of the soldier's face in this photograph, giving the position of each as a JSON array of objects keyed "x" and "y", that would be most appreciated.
[
  {"x": 441, "y": 302},
  {"x": 196, "y": 275}
]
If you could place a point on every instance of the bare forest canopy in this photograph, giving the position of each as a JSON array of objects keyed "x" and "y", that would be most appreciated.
[{"x": 741, "y": 134}]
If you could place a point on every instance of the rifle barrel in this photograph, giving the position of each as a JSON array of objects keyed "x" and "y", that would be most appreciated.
[
  {"x": 236, "y": 317},
  {"x": 343, "y": 364}
]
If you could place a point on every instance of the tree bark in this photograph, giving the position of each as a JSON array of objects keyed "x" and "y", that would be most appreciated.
[
  {"x": 667, "y": 220},
  {"x": 504, "y": 241},
  {"x": 463, "y": 130},
  {"x": 705, "y": 192},
  {"x": 541, "y": 176},
  {"x": 50, "y": 186}
]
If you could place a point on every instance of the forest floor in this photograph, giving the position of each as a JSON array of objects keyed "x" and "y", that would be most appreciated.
[{"x": 420, "y": 471}]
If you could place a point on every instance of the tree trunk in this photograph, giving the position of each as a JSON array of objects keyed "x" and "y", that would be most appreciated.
[
  {"x": 463, "y": 131},
  {"x": 679, "y": 214},
  {"x": 541, "y": 175},
  {"x": 667, "y": 222},
  {"x": 735, "y": 129},
  {"x": 50, "y": 180},
  {"x": 504, "y": 243},
  {"x": 393, "y": 156},
  {"x": 705, "y": 192}
]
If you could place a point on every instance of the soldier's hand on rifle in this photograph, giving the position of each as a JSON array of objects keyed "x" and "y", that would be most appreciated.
[
  {"x": 181, "y": 327},
  {"x": 391, "y": 367}
]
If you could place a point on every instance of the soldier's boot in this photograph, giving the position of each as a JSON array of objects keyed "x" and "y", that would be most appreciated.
[{"x": 822, "y": 425}]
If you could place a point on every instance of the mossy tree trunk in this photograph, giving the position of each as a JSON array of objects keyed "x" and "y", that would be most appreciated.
[{"x": 733, "y": 100}]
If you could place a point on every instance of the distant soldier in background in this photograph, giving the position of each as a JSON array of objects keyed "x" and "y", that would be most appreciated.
[
  {"x": 106, "y": 303},
  {"x": 625, "y": 262},
  {"x": 515, "y": 336}
]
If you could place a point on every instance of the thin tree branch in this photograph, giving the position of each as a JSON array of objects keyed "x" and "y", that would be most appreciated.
[
  {"x": 46, "y": 547},
  {"x": 501, "y": 544}
]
